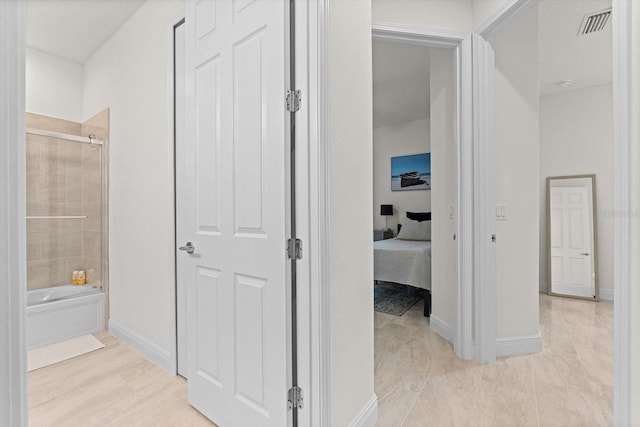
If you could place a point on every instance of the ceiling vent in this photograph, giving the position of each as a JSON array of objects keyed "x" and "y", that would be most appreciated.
[{"x": 594, "y": 22}]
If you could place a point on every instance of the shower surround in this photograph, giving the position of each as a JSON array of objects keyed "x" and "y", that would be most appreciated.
[{"x": 66, "y": 179}]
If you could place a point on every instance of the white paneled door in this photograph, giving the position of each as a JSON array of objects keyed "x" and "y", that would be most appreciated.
[
  {"x": 234, "y": 210},
  {"x": 571, "y": 242}
]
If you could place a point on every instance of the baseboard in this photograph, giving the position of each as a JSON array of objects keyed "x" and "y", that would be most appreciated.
[
  {"x": 514, "y": 346},
  {"x": 368, "y": 415},
  {"x": 544, "y": 287},
  {"x": 606, "y": 294},
  {"x": 441, "y": 328},
  {"x": 148, "y": 349}
]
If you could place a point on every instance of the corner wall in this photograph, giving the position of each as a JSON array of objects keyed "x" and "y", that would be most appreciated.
[
  {"x": 443, "y": 180},
  {"x": 129, "y": 75},
  {"x": 351, "y": 246},
  {"x": 517, "y": 174}
]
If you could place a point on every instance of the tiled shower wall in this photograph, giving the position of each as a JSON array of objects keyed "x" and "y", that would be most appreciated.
[{"x": 64, "y": 178}]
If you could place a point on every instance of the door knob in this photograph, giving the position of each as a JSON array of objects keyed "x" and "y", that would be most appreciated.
[
  {"x": 585, "y": 253},
  {"x": 189, "y": 248}
]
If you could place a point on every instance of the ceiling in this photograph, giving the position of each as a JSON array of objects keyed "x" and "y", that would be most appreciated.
[
  {"x": 585, "y": 60},
  {"x": 401, "y": 71},
  {"x": 75, "y": 29},
  {"x": 400, "y": 83}
]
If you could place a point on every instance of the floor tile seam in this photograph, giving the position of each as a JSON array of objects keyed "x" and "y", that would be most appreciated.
[{"x": 415, "y": 400}]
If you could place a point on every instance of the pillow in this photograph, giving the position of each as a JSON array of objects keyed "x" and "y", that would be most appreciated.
[
  {"x": 415, "y": 230},
  {"x": 419, "y": 216}
]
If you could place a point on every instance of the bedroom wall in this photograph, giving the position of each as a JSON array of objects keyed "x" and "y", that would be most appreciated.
[
  {"x": 398, "y": 140},
  {"x": 517, "y": 176},
  {"x": 351, "y": 259},
  {"x": 134, "y": 87},
  {"x": 442, "y": 81},
  {"x": 455, "y": 15},
  {"x": 576, "y": 138},
  {"x": 53, "y": 86}
]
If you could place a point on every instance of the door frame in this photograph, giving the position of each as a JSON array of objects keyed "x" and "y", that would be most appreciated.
[
  {"x": 461, "y": 332},
  {"x": 173, "y": 298},
  {"x": 13, "y": 263},
  {"x": 484, "y": 104}
]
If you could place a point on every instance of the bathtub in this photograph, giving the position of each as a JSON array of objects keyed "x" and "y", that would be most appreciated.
[{"x": 63, "y": 312}]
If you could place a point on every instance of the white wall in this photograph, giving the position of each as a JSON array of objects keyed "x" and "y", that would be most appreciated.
[
  {"x": 634, "y": 289},
  {"x": 390, "y": 141},
  {"x": 442, "y": 80},
  {"x": 517, "y": 174},
  {"x": 485, "y": 9},
  {"x": 351, "y": 157},
  {"x": 453, "y": 15},
  {"x": 576, "y": 138},
  {"x": 53, "y": 86},
  {"x": 129, "y": 75}
]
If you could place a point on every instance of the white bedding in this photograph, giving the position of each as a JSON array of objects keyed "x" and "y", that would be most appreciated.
[{"x": 403, "y": 261}]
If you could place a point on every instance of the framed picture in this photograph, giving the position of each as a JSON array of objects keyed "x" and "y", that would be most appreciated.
[{"x": 411, "y": 172}]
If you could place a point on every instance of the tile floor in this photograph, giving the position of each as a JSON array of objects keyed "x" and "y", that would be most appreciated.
[
  {"x": 114, "y": 386},
  {"x": 420, "y": 382}
]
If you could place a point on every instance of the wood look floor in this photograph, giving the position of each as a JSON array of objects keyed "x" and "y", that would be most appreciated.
[
  {"x": 114, "y": 386},
  {"x": 420, "y": 382}
]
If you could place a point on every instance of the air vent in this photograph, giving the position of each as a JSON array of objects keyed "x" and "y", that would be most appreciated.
[{"x": 594, "y": 22}]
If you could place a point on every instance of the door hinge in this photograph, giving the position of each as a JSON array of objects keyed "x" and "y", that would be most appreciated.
[
  {"x": 295, "y": 398},
  {"x": 294, "y": 249},
  {"x": 294, "y": 99}
]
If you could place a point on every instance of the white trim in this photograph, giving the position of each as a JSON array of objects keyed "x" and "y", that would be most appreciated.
[
  {"x": 173, "y": 315},
  {"x": 152, "y": 351},
  {"x": 319, "y": 214},
  {"x": 621, "y": 33},
  {"x": 605, "y": 294},
  {"x": 13, "y": 368},
  {"x": 441, "y": 328},
  {"x": 368, "y": 415},
  {"x": 462, "y": 330},
  {"x": 514, "y": 346},
  {"x": 501, "y": 16}
]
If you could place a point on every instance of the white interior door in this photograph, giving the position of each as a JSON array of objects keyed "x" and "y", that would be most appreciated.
[
  {"x": 572, "y": 270},
  {"x": 235, "y": 210}
]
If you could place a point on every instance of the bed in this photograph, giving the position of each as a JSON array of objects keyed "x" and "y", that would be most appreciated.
[{"x": 407, "y": 260}]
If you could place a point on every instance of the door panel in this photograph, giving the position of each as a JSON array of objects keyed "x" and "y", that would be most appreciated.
[
  {"x": 571, "y": 263},
  {"x": 236, "y": 211}
]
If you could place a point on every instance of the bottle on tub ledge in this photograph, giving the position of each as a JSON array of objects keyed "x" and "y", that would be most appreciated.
[{"x": 78, "y": 277}]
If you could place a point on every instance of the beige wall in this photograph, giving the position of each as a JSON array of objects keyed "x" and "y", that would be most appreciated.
[
  {"x": 442, "y": 82},
  {"x": 350, "y": 123},
  {"x": 129, "y": 75},
  {"x": 391, "y": 141},
  {"x": 576, "y": 138},
  {"x": 517, "y": 173},
  {"x": 634, "y": 289},
  {"x": 453, "y": 15}
]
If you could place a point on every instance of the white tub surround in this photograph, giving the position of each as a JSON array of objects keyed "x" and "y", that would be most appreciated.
[{"x": 63, "y": 312}]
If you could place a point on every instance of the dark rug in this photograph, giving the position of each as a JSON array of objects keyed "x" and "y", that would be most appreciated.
[{"x": 395, "y": 299}]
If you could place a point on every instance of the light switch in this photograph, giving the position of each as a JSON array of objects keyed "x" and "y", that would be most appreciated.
[
  {"x": 501, "y": 212},
  {"x": 450, "y": 211}
]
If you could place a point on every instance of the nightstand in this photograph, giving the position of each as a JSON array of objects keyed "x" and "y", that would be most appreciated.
[{"x": 382, "y": 234}]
